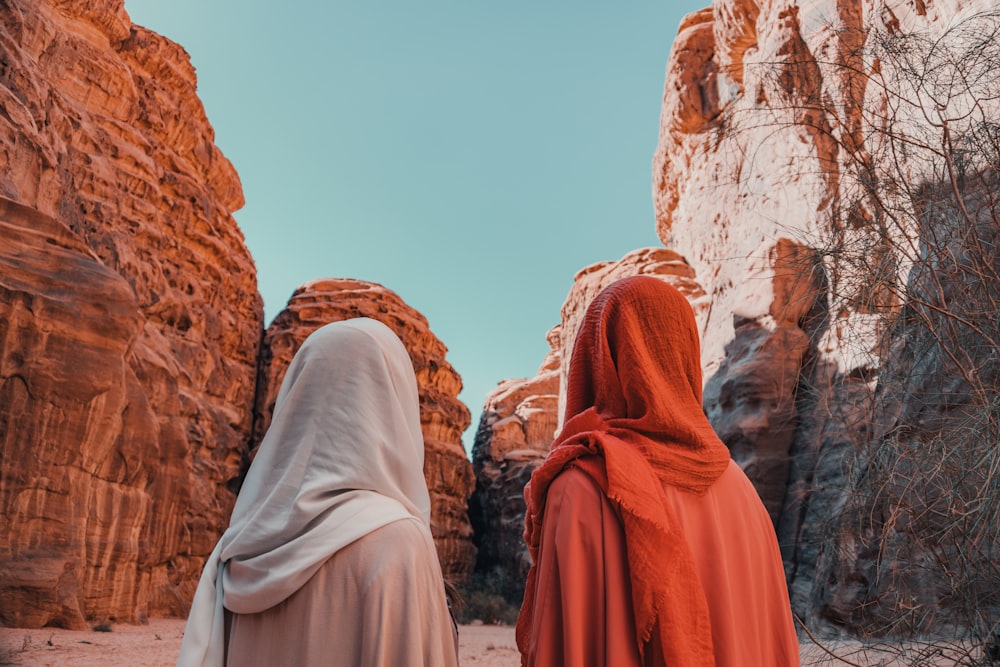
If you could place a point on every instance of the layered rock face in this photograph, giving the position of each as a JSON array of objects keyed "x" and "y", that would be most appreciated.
[
  {"x": 131, "y": 322},
  {"x": 443, "y": 417},
  {"x": 514, "y": 434},
  {"x": 72, "y": 514},
  {"x": 799, "y": 145}
]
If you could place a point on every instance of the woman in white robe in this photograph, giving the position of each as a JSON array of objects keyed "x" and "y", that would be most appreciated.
[{"x": 328, "y": 558}]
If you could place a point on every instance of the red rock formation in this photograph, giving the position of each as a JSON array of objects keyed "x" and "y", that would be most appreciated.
[
  {"x": 515, "y": 433},
  {"x": 72, "y": 428},
  {"x": 443, "y": 417},
  {"x": 780, "y": 123},
  {"x": 101, "y": 130}
]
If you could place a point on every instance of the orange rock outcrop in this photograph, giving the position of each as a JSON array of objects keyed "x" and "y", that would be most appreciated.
[
  {"x": 514, "y": 434},
  {"x": 75, "y": 473},
  {"x": 131, "y": 325},
  {"x": 130, "y": 328},
  {"x": 790, "y": 132},
  {"x": 443, "y": 417}
]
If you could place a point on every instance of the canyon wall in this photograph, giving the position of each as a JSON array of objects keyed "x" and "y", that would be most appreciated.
[
  {"x": 131, "y": 326},
  {"x": 514, "y": 434},
  {"x": 72, "y": 514},
  {"x": 131, "y": 320},
  {"x": 443, "y": 417},
  {"x": 806, "y": 168}
]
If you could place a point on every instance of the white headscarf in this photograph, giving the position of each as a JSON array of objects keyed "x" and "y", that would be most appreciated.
[{"x": 343, "y": 456}]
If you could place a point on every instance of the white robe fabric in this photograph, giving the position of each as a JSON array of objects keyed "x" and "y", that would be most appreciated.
[
  {"x": 343, "y": 457},
  {"x": 375, "y": 603}
]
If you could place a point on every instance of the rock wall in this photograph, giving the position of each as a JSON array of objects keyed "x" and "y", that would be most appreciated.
[
  {"x": 514, "y": 434},
  {"x": 791, "y": 134},
  {"x": 751, "y": 398},
  {"x": 132, "y": 319},
  {"x": 72, "y": 515},
  {"x": 443, "y": 417}
]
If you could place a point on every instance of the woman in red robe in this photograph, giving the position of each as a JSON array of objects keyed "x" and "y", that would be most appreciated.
[{"x": 650, "y": 545}]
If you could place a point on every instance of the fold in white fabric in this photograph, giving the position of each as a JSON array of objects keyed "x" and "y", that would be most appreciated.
[{"x": 343, "y": 457}]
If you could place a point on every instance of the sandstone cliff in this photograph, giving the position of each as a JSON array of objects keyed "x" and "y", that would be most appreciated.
[
  {"x": 443, "y": 417},
  {"x": 130, "y": 328},
  {"x": 514, "y": 434},
  {"x": 67, "y": 323},
  {"x": 131, "y": 319},
  {"x": 803, "y": 170}
]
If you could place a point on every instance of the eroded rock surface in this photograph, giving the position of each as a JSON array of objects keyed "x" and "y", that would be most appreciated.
[
  {"x": 751, "y": 397},
  {"x": 142, "y": 425},
  {"x": 515, "y": 433},
  {"x": 443, "y": 417},
  {"x": 73, "y": 490},
  {"x": 781, "y": 149}
]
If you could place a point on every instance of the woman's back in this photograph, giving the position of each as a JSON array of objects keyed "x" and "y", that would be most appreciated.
[
  {"x": 583, "y": 583},
  {"x": 328, "y": 558},
  {"x": 732, "y": 542},
  {"x": 379, "y": 601},
  {"x": 695, "y": 579}
]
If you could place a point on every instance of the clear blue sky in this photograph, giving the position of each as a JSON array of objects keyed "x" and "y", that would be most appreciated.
[{"x": 471, "y": 156}]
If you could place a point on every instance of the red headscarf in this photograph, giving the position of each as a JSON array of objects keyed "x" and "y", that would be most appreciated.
[{"x": 634, "y": 422}]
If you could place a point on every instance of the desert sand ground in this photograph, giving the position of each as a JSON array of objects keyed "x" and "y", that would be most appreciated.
[{"x": 157, "y": 644}]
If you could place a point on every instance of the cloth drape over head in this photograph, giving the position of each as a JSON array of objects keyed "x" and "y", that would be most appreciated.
[
  {"x": 634, "y": 422},
  {"x": 343, "y": 457}
]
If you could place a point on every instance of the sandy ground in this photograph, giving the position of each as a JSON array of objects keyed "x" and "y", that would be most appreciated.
[
  {"x": 157, "y": 644},
  {"x": 480, "y": 645}
]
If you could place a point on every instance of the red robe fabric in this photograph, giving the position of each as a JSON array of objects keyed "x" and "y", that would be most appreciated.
[{"x": 614, "y": 513}]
